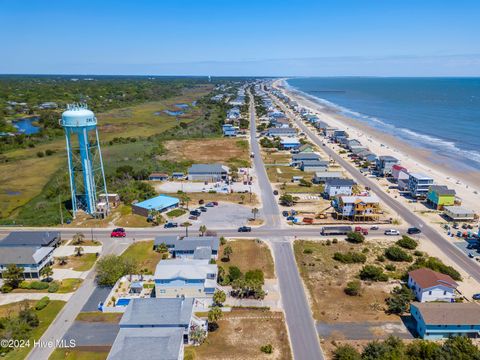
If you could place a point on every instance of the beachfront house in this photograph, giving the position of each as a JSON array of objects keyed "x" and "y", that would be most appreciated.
[
  {"x": 384, "y": 165},
  {"x": 335, "y": 187},
  {"x": 339, "y": 133},
  {"x": 158, "y": 177},
  {"x": 288, "y": 143},
  {"x": 322, "y": 176},
  {"x": 159, "y": 203},
  {"x": 402, "y": 180},
  {"x": 208, "y": 172},
  {"x": 459, "y": 213},
  {"x": 193, "y": 247},
  {"x": 350, "y": 144},
  {"x": 419, "y": 184},
  {"x": 429, "y": 285},
  {"x": 440, "y": 196},
  {"x": 185, "y": 277},
  {"x": 396, "y": 169},
  {"x": 314, "y": 165},
  {"x": 441, "y": 320},
  {"x": 357, "y": 207}
]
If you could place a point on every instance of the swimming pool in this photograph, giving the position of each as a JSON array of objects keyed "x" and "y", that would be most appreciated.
[{"x": 122, "y": 302}]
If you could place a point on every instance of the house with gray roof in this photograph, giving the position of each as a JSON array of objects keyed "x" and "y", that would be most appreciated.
[
  {"x": 187, "y": 247},
  {"x": 277, "y": 132},
  {"x": 385, "y": 163},
  {"x": 32, "y": 259},
  {"x": 208, "y": 172},
  {"x": 156, "y": 343},
  {"x": 314, "y": 165},
  {"x": 298, "y": 158},
  {"x": 31, "y": 238},
  {"x": 185, "y": 277},
  {"x": 322, "y": 176}
]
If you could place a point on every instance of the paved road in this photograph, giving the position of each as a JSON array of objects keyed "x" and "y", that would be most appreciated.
[
  {"x": 67, "y": 315},
  {"x": 411, "y": 218},
  {"x": 301, "y": 327}
]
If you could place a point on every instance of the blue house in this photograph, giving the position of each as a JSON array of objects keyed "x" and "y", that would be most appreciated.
[
  {"x": 289, "y": 143},
  {"x": 440, "y": 320},
  {"x": 229, "y": 130}
]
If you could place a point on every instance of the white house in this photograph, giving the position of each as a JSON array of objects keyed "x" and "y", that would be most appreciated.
[
  {"x": 419, "y": 185},
  {"x": 185, "y": 277},
  {"x": 334, "y": 187},
  {"x": 429, "y": 285}
]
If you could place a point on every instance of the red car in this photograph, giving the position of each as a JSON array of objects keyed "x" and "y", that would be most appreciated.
[{"x": 118, "y": 232}]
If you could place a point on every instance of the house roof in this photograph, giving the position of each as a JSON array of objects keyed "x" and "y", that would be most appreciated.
[
  {"x": 157, "y": 312},
  {"x": 147, "y": 343},
  {"x": 420, "y": 176},
  {"x": 289, "y": 140},
  {"x": 444, "y": 313},
  {"x": 306, "y": 156},
  {"x": 282, "y": 130},
  {"x": 184, "y": 269},
  {"x": 357, "y": 198},
  {"x": 428, "y": 278},
  {"x": 158, "y": 175},
  {"x": 387, "y": 158},
  {"x": 442, "y": 190},
  {"x": 158, "y": 202},
  {"x": 30, "y": 238},
  {"x": 459, "y": 210},
  {"x": 189, "y": 243},
  {"x": 23, "y": 255},
  {"x": 339, "y": 182},
  {"x": 202, "y": 253},
  {"x": 328, "y": 174},
  {"x": 315, "y": 163},
  {"x": 207, "y": 168}
]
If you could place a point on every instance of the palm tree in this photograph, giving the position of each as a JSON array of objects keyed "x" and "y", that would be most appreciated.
[
  {"x": 203, "y": 230},
  {"x": 78, "y": 251},
  {"x": 227, "y": 252},
  {"x": 186, "y": 225},
  {"x": 242, "y": 198},
  {"x": 78, "y": 238},
  {"x": 185, "y": 199},
  {"x": 255, "y": 212},
  {"x": 62, "y": 260},
  {"x": 46, "y": 272}
]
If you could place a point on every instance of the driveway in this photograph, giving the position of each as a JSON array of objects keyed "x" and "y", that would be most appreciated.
[
  {"x": 92, "y": 333},
  {"x": 98, "y": 295}
]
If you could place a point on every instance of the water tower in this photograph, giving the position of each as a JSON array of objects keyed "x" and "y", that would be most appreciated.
[{"x": 85, "y": 163}]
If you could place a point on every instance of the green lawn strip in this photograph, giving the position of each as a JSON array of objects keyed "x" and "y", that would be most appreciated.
[
  {"x": 78, "y": 354},
  {"x": 143, "y": 255},
  {"x": 176, "y": 213},
  {"x": 45, "y": 316},
  {"x": 87, "y": 261},
  {"x": 98, "y": 316}
]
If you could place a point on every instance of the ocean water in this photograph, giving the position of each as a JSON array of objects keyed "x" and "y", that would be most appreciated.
[{"x": 438, "y": 114}]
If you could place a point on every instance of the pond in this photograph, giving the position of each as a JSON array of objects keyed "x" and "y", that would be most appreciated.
[
  {"x": 25, "y": 125},
  {"x": 173, "y": 113},
  {"x": 182, "y": 106}
]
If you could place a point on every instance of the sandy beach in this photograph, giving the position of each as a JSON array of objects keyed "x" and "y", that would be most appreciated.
[{"x": 465, "y": 183}]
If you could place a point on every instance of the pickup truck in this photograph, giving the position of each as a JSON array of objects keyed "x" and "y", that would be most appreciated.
[{"x": 361, "y": 230}]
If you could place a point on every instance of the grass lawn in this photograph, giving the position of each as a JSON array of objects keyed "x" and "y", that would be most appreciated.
[
  {"x": 13, "y": 309},
  {"x": 98, "y": 316},
  {"x": 78, "y": 263},
  {"x": 276, "y": 157},
  {"x": 326, "y": 278},
  {"x": 79, "y": 354},
  {"x": 45, "y": 316},
  {"x": 297, "y": 189},
  {"x": 284, "y": 174},
  {"x": 249, "y": 255},
  {"x": 176, "y": 213},
  {"x": 143, "y": 254},
  {"x": 66, "y": 286},
  {"x": 223, "y": 150},
  {"x": 240, "y": 335}
]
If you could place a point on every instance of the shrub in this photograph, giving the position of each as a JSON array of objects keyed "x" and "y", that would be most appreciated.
[
  {"x": 395, "y": 253},
  {"x": 255, "y": 275},
  {"x": 234, "y": 273},
  {"x": 6, "y": 288},
  {"x": 407, "y": 242},
  {"x": 42, "y": 303},
  {"x": 39, "y": 285},
  {"x": 307, "y": 251},
  {"x": 355, "y": 237},
  {"x": 353, "y": 288},
  {"x": 328, "y": 243},
  {"x": 53, "y": 287},
  {"x": 381, "y": 258},
  {"x": 335, "y": 241},
  {"x": 267, "y": 349},
  {"x": 346, "y": 352},
  {"x": 350, "y": 257},
  {"x": 40, "y": 154},
  {"x": 390, "y": 267},
  {"x": 372, "y": 272},
  {"x": 49, "y": 152},
  {"x": 418, "y": 253},
  {"x": 400, "y": 299}
]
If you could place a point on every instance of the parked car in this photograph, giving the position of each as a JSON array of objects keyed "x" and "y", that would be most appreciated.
[
  {"x": 202, "y": 209},
  {"x": 374, "y": 227},
  {"x": 210, "y": 204},
  {"x": 413, "y": 230},
  {"x": 193, "y": 217},
  {"x": 391, "y": 232},
  {"x": 170, "y": 225},
  {"x": 118, "y": 232},
  {"x": 275, "y": 192},
  {"x": 244, "y": 229},
  {"x": 215, "y": 203},
  {"x": 290, "y": 218},
  {"x": 476, "y": 297},
  {"x": 195, "y": 213},
  {"x": 285, "y": 213}
]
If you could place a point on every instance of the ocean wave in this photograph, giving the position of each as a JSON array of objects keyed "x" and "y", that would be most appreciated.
[{"x": 441, "y": 146}]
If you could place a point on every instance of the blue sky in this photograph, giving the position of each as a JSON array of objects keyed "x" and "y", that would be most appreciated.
[{"x": 274, "y": 38}]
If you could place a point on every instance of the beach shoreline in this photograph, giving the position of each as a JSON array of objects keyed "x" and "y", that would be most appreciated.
[{"x": 465, "y": 182}]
